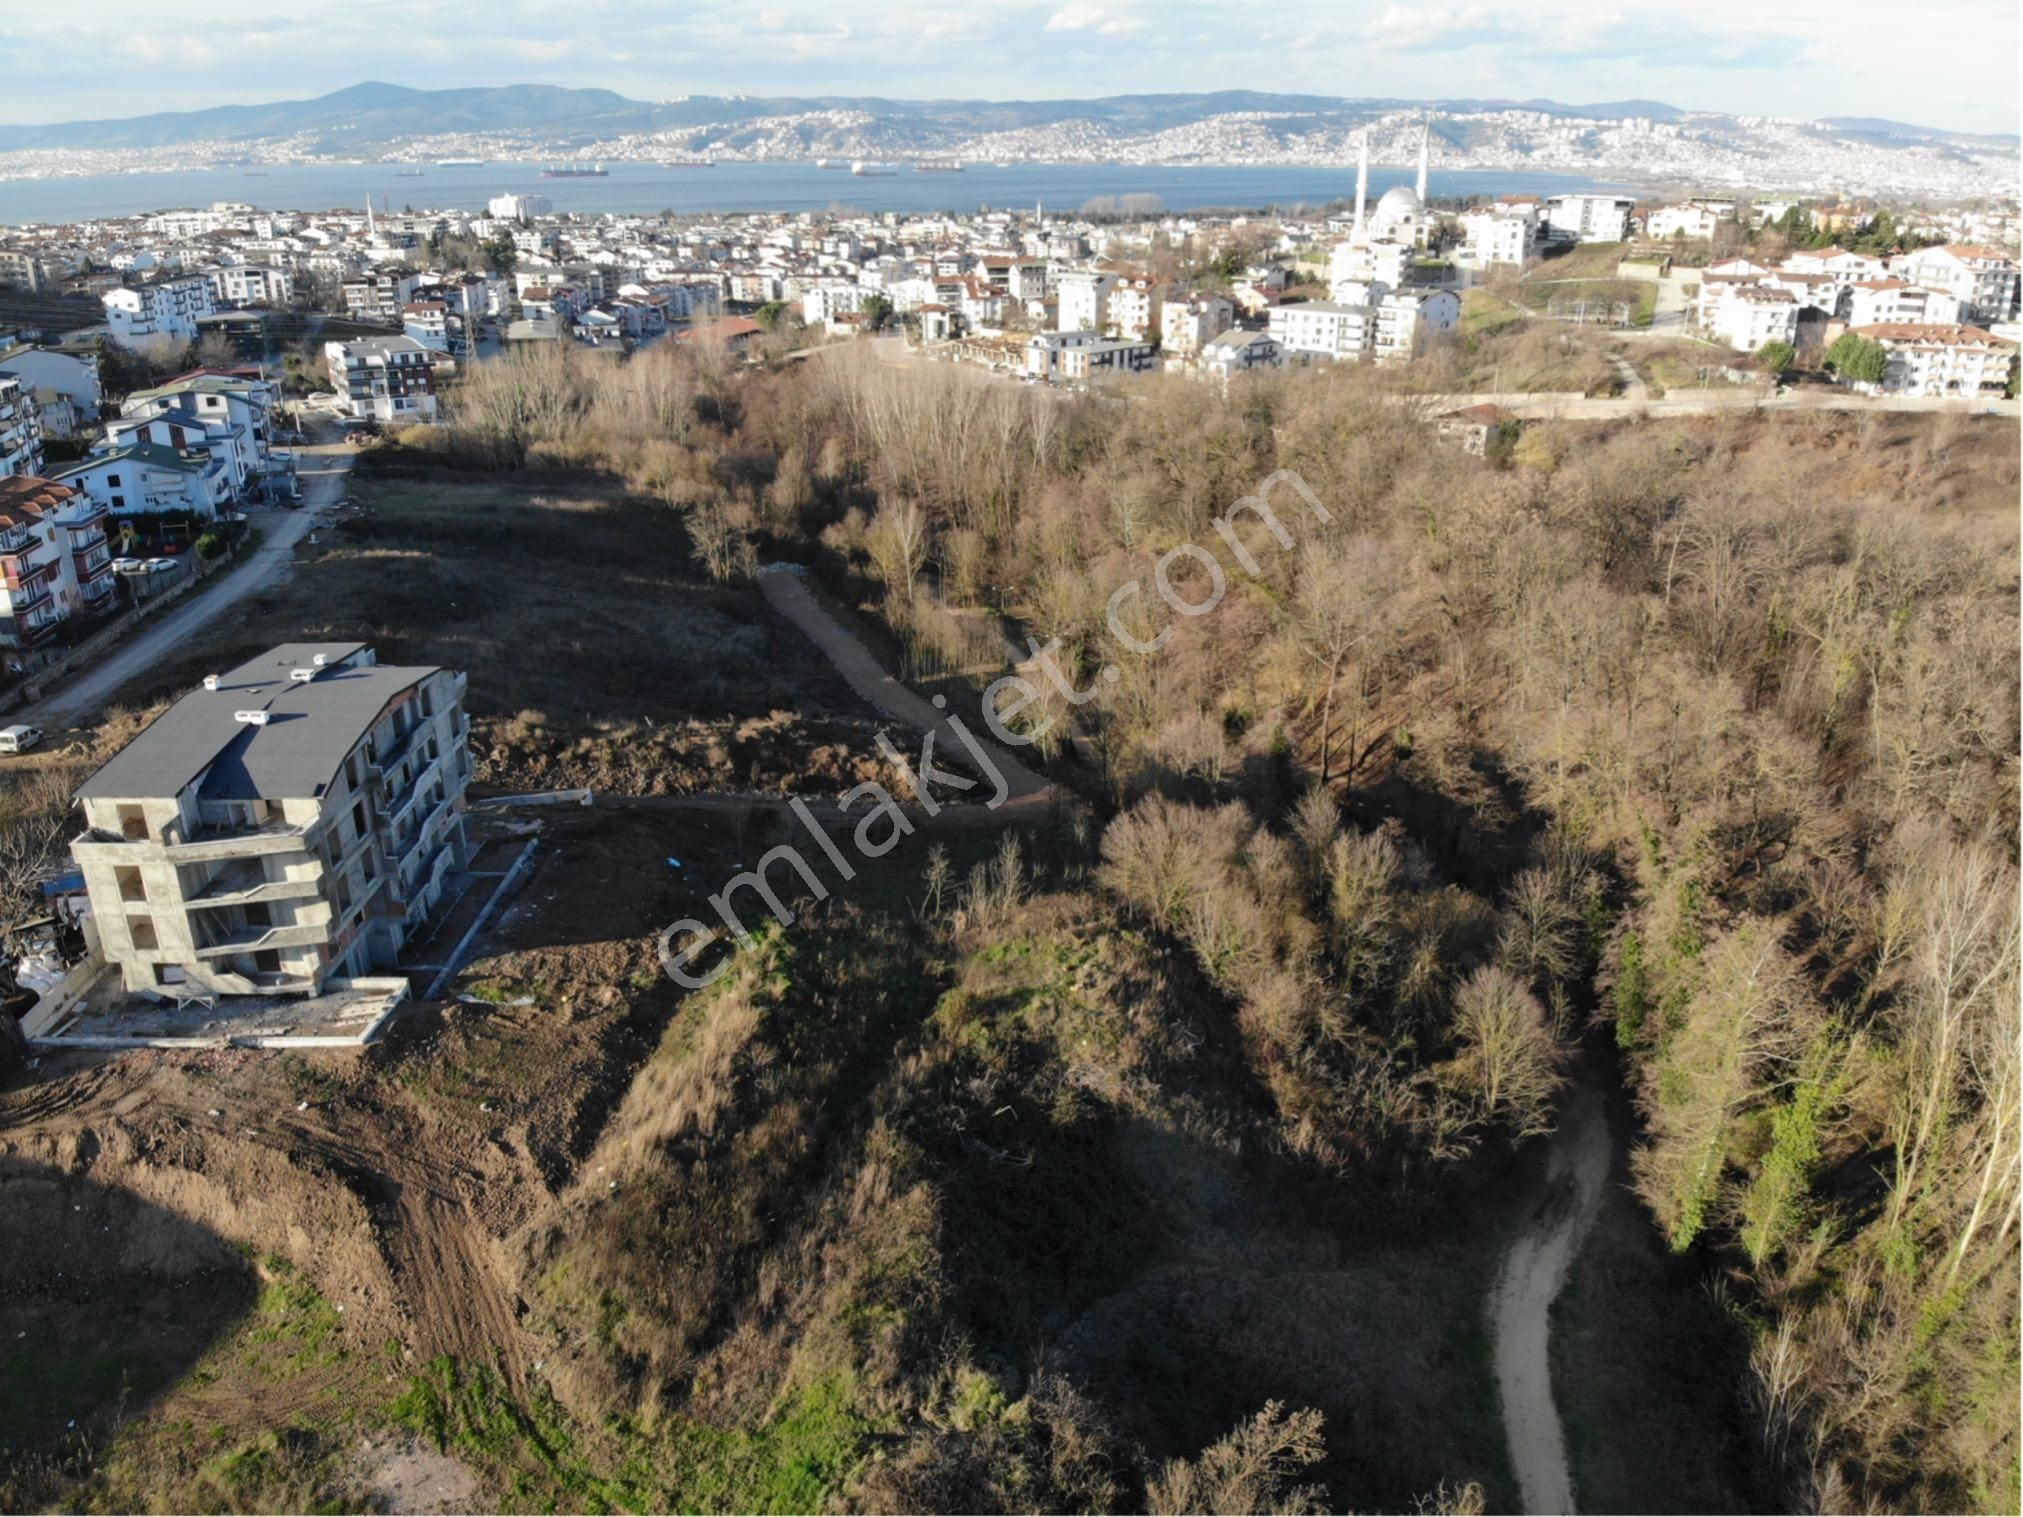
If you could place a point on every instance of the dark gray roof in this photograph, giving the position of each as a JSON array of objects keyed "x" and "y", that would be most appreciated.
[{"x": 311, "y": 725}]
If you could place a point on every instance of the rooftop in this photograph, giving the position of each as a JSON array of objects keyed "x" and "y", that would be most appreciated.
[{"x": 311, "y": 725}]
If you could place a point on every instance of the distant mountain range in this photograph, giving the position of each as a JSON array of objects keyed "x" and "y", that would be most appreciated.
[
  {"x": 373, "y": 115},
  {"x": 1644, "y": 141}
]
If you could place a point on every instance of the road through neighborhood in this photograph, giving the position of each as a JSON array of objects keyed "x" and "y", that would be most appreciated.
[{"x": 321, "y": 471}]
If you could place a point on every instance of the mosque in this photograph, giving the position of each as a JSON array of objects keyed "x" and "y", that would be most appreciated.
[{"x": 1382, "y": 245}]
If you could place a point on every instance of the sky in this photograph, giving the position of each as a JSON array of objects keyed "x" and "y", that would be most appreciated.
[{"x": 1950, "y": 64}]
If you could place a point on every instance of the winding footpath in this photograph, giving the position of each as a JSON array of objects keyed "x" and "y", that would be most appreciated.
[{"x": 1520, "y": 1309}]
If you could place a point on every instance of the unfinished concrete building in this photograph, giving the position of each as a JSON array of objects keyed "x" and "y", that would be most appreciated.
[{"x": 291, "y": 822}]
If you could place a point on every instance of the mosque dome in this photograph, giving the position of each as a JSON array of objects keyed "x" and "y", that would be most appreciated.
[{"x": 1399, "y": 203}]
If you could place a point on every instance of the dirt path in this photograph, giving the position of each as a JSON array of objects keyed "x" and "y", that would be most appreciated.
[
  {"x": 788, "y": 593},
  {"x": 1520, "y": 1310},
  {"x": 322, "y": 471}
]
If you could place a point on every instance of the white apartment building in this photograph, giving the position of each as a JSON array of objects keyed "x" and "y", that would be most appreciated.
[
  {"x": 1324, "y": 329},
  {"x": 1983, "y": 279},
  {"x": 1229, "y": 353},
  {"x": 20, "y": 430},
  {"x": 250, "y": 284},
  {"x": 161, "y": 308},
  {"x": 54, "y": 562},
  {"x": 1940, "y": 360},
  {"x": 520, "y": 208},
  {"x": 1135, "y": 307},
  {"x": 1408, "y": 319},
  {"x": 1493, "y": 238},
  {"x": 1695, "y": 223},
  {"x": 1590, "y": 218},
  {"x": 1084, "y": 300},
  {"x": 288, "y": 825},
  {"x": 151, "y": 479},
  {"x": 1746, "y": 316},
  {"x": 385, "y": 379},
  {"x": 1875, "y": 302},
  {"x": 1367, "y": 262}
]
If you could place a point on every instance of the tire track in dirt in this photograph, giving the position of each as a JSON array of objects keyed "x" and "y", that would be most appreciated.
[{"x": 1520, "y": 1308}]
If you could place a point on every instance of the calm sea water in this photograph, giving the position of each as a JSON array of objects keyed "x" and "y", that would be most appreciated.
[{"x": 730, "y": 187}]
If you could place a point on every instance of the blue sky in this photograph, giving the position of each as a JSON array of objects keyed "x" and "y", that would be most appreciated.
[{"x": 1951, "y": 64}]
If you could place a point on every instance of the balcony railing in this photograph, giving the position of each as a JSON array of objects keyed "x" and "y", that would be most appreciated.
[{"x": 28, "y": 598}]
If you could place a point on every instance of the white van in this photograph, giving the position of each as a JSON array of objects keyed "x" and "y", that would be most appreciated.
[{"x": 19, "y": 739}]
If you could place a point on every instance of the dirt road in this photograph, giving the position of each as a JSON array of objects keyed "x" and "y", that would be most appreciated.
[
  {"x": 1520, "y": 1310},
  {"x": 789, "y": 594},
  {"x": 321, "y": 472}
]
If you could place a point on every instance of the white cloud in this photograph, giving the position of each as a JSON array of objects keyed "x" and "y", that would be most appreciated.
[{"x": 1100, "y": 19}]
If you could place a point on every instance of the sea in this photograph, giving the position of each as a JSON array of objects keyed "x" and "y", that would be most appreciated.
[{"x": 643, "y": 188}]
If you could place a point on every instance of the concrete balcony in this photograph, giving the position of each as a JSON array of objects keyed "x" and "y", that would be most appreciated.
[
  {"x": 257, "y": 939},
  {"x": 244, "y": 882},
  {"x": 239, "y": 842}
]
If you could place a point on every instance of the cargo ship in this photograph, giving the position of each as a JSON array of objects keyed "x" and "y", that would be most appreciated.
[
  {"x": 830, "y": 163},
  {"x": 572, "y": 171},
  {"x": 937, "y": 166},
  {"x": 690, "y": 163},
  {"x": 865, "y": 170},
  {"x": 460, "y": 163}
]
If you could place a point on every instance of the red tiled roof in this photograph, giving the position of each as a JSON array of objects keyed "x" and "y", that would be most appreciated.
[
  {"x": 1931, "y": 334},
  {"x": 24, "y": 498}
]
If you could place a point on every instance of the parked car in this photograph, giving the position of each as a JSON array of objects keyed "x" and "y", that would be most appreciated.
[
  {"x": 127, "y": 566},
  {"x": 160, "y": 565},
  {"x": 19, "y": 738}
]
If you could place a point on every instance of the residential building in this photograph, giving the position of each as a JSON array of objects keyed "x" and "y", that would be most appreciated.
[
  {"x": 1983, "y": 279},
  {"x": 1329, "y": 329},
  {"x": 164, "y": 308},
  {"x": 250, "y": 284},
  {"x": 1136, "y": 303},
  {"x": 1046, "y": 351},
  {"x": 1874, "y": 302},
  {"x": 64, "y": 374},
  {"x": 54, "y": 562},
  {"x": 1589, "y": 218},
  {"x": 1083, "y": 297},
  {"x": 520, "y": 208},
  {"x": 1693, "y": 223},
  {"x": 1499, "y": 237},
  {"x": 1408, "y": 319},
  {"x": 384, "y": 379},
  {"x": 1187, "y": 325},
  {"x": 1232, "y": 352},
  {"x": 145, "y": 478},
  {"x": 1108, "y": 358},
  {"x": 289, "y": 824},
  {"x": 20, "y": 430},
  {"x": 1940, "y": 360},
  {"x": 1746, "y": 316}
]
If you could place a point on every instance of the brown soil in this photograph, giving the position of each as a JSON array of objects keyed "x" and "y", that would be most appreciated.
[{"x": 397, "y": 1182}]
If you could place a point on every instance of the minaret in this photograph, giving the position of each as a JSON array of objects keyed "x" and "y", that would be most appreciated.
[
  {"x": 1425, "y": 134},
  {"x": 371, "y": 226},
  {"x": 1362, "y": 179}
]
